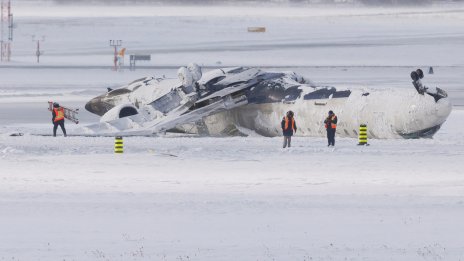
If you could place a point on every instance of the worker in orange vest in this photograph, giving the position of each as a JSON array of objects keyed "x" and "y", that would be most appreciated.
[
  {"x": 288, "y": 127},
  {"x": 58, "y": 118},
  {"x": 331, "y": 127}
]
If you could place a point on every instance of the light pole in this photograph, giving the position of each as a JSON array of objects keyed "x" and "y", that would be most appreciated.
[
  {"x": 115, "y": 44},
  {"x": 6, "y": 18},
  {"x": 38, "y": 52}
]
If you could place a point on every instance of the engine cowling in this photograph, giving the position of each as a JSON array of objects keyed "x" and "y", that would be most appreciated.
[
  {"x": 195, "y": 70},
  {"x": 185, "y": 76},
  {"x": 118, "y": 112}
]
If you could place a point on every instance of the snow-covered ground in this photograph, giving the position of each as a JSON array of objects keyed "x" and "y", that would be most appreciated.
[{"x": 189, "y": 198}]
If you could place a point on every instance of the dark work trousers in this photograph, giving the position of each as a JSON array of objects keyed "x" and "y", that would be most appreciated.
[
  {"x": 55, "y": 126},
  {"x": 287, "y": 141},
  {"x": 331, "y": 136}
]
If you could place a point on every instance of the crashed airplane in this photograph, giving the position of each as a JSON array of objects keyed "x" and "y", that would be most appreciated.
[{"x": 244, "y": 101}]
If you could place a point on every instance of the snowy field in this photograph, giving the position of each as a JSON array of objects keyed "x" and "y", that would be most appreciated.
[
  {"x": 186, "y": 198},
  {"x": 178, "y": 197}
]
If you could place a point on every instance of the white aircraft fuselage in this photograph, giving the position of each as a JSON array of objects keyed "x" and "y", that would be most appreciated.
[{"x": 238, "y": 101}]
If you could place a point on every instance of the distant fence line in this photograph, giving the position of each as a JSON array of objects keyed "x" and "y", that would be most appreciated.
[{"x": 163, "y": 2}]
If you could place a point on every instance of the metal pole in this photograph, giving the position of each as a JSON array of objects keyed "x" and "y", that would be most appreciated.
[
  {"x": 2, "y": 54},
  {"x": 2, "y": 18},
  {"x": 38, "y": 51},
  {"x": 10, "y": 22},
  {"x": 115, "y": 57},
  {"x": 5, "y": 43},
  {"x": 10, "y": 36},
  {"x": 115, "y": 44}
]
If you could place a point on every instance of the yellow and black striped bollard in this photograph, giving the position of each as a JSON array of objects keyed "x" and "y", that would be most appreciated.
[
  {"x": 362, "y": 134},
  {"x": 118, "y": 145}
]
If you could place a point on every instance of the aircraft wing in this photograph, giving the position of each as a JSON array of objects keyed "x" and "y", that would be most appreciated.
[
  {"x": 229, "y": 90},
  {"x": 138, "y": 125},
  {"x": 172, "y": 121}
]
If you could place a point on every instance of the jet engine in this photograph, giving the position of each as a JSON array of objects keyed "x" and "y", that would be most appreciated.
[{"x": 118, "y": 112}]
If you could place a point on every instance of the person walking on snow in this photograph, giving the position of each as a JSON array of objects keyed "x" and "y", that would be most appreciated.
[
  {"x": 331, "y": 127},
  {"x": 288, "y": 127},
  {"x": 58, "y": 118}
]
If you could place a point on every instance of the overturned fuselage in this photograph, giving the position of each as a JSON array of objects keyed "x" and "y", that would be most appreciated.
[{"x": 240, "y": 101}]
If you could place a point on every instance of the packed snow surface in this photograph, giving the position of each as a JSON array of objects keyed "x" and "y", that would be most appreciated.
[{"x": 190, "y": 198}]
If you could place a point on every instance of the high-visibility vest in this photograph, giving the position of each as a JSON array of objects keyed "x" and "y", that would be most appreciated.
[
  {"x": 333, "y": 125},
  {"x": 122, "y": 52},
  {"x": 286, "y": 123},
  {"x": 59, "y": 114}
]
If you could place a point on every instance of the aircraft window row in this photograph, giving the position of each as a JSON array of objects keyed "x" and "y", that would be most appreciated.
[
  {"x": 292, "y": 93},
  {"x": 342, "y": 94},
  {"x": 319, "y": 94},
  {"x": 326, "y": 94},
  {"x": 136, "y": 87},
  {"x": 119, "y": 91},
  {"x": 233, "y": 84},
  {"x": 210, "y": 84},
  {"x": 138, "y": 80},
  {"x": 238, "y": 70}
]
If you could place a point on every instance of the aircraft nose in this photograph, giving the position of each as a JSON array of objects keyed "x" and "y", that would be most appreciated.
[
  {"x": 97, "y": 106},
  {"x": 88, "y": 106}
]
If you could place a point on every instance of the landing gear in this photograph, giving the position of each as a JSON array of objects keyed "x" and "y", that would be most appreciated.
[{"x": 416, "y": 77}]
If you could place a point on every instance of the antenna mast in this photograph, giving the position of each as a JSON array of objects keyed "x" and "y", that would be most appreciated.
[
  {"x": 115, "y": 44},
  {"x": 6, "y": 20}
]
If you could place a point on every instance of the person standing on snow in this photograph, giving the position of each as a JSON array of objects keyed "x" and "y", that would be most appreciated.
[
  {"x": 58, "y": 118},
  {"x": 288, "y": 127},
  {"x": 331, "y": 127}
]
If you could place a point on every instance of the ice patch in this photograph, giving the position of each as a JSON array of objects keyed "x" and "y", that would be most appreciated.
[{"x": 6, "y": 151}]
